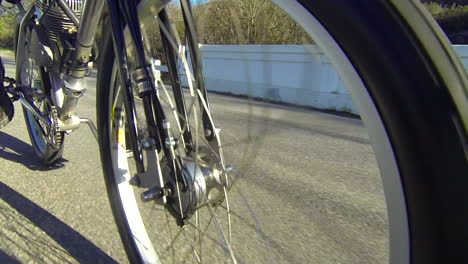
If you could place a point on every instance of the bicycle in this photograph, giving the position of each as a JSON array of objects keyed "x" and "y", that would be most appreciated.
[{"x": 410, "y": 88}]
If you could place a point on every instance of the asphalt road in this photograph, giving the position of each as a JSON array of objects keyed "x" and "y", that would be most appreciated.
[{"x": 309, "y": 190}]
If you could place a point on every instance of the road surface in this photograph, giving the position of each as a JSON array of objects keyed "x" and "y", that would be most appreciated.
[{"x": 310, "y": 190}]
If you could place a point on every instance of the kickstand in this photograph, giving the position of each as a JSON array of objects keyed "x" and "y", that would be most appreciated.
[{"x": 91, "y": 126}]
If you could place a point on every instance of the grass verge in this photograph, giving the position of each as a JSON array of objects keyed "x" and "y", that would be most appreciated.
[{"x": 6, "y": 52}]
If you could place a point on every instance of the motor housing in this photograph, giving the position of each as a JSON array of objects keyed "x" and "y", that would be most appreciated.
[{"x": 56, "y": 20}]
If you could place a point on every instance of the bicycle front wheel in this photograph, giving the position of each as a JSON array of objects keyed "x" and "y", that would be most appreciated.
[{"x": 410, "y": 90}]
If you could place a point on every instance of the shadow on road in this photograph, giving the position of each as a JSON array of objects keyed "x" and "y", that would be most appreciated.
[
  {"x": 78, "y": 246},
  {"x": 4, "y": 258},
  {"x": 18, "y": 151}
]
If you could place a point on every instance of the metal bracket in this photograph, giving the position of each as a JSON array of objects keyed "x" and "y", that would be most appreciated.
[{"x": 152, "y": 177}]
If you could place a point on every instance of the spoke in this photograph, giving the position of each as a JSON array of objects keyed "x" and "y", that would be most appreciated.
[
  {"x": 191, "y": 245},
  {"x": 189, "y": 74},
  {"x": 203, "y": 232},
  {"x": 228, "y": 213},
  {"x": 220, "y": 228},
  {"x": 152, "y": 210},
  {"x": 173, "y": 241},
  {"x": 178, "y": 194},
  {"x": 219, "y": 152},
  {"x": 197, "y": 224},
  {"x": 170, "y": 234},
  {"x": 232, "y": 212},
  {"x": 197, "y": 145},
  {"x": 176, "y": 113},
  {"x": 212, "y": 150}
]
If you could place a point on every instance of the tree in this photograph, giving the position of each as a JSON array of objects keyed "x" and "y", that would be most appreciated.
[
  {"x": 248, "y": 22},
  {"x": 447, "y": 2},
  {"x": 7, "y": 31},
  {"x": 453, "y": 19}
]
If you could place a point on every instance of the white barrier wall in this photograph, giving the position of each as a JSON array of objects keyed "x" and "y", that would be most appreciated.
[
  {"x": 462, "y": 51},
  {"x": 296, "y": 74}
]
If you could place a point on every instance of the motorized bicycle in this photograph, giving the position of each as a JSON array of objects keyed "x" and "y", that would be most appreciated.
[{"x": 409, "y": 85}]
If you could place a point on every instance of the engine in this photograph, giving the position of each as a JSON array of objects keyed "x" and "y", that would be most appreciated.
[{"x": 55, "y": 19}]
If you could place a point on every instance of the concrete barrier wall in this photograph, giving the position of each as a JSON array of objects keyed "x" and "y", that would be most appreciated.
[
  {"x": 296, "y": 74},
  {"x": 462, "y": 51}
]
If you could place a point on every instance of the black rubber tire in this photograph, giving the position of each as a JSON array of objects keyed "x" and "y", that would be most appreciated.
[
  {"x": 103, "y": 118},
  {"x": 420, "y": 118},
  {"x": 7, "y": 111},
  {"x": 50, "y": 155}
]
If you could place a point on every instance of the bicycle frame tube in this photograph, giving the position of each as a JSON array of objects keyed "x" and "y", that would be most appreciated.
[{"x": 87, "y": 30}]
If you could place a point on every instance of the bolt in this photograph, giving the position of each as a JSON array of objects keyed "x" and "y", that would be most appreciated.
[
  {"x": 135, "y": 181},
  {"x": 166, "y": 124},
  {"x": 145, "y": 144},
  {"x": 170, "y": 142},
  {"x": 152, "y": 194}
]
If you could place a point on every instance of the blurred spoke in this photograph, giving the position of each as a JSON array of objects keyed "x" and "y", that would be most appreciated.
[
  {"x": 171, "y": 246},
  {"x": 191, "y": 245},
  {"x": 220, "y": 228},
  {"x": 170, "y": 235}
]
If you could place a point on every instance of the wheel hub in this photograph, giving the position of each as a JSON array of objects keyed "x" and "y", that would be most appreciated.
[{"x": 199, "y": 184}]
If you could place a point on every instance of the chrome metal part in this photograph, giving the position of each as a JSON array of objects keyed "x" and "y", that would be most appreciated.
[
  {"x": 74, "y": 88},
  {"x": 152, "y": 177},
  {"x": 205, "y": 186},
  {"x": 155, "y": 65},
  {"x": 69, "y": 12},
  {"x": 147, "y": 144},
  {"x": 74, "y": 85},
  {"x": 152, "y": 194},
  {"x": 71, "y": 122},
  {"x": 91, "y": 126},
  {"x": 54, "y": 136},
  {"x": 139, "y": 78},
  {"x": 88, "y": 26}
]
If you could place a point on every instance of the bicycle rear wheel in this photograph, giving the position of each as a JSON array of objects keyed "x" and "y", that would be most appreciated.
[
  {"x": 47, "y": 143},
  {"x": 411, "y": 93}
]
